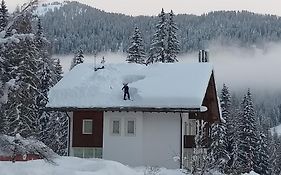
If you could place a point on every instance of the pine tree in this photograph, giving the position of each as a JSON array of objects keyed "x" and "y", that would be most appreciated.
[
  {"x": 275, "y": 156},
  {"x": 58, "y": 70},
  {"x": 158, "y": 45},
  {"x": 3, "y": 16},
  {"x": 262, "y": 164},
  {"x": 78, "y": 59},
  {"x": 247, "y": 137},
  {"x": 172, "y": 41},
  {"x": 39, "y": 34},
  {"x": 21, "y": 109},
  {"x": 219, "y": 150},
  {"x": 45, "y": 68},
  {"x": 136, "y": 53},
  {"x": 52, "y": 125},
  {"x": 23, "y": 23}
]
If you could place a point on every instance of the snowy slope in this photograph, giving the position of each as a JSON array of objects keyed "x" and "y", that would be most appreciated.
[
  {"x": 177, "y": 85},
  {"x": 44, "y": 7},
  {"x": 276, "y": 129},
  {"x": 75, "y": 166}
]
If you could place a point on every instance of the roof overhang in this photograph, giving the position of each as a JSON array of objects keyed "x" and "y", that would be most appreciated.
[{"x": 128, "y": 109}]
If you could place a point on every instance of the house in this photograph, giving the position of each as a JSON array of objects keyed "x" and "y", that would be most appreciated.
[{"x": 170, "y": 104}]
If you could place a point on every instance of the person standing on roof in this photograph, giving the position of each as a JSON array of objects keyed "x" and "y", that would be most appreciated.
[{"x": 126, "y": 91}]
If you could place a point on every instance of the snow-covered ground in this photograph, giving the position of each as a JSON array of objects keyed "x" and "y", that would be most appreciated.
[
  {"x": 78, "y": 166},
  {"x": 276, "y": 129},
  {"x": 46, "y": 6}
]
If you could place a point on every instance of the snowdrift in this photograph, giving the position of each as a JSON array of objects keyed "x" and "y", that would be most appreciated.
[{"x": 76, "y": 166}]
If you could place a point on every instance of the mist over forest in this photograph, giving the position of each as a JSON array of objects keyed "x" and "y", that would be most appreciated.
[{"x": 258, "y": 67}]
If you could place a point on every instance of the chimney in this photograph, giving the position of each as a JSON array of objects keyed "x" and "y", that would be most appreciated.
[
  {"x": 200, "y": 56},
  {"x": 203, "y": 56}
]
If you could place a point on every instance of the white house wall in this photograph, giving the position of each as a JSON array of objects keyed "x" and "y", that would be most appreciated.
[
  {"x": 156, "y": 143},
  {"x": 161, "y": 139},
  {"x": 123, "y": 148}
]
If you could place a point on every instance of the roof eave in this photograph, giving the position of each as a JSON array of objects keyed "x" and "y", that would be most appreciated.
[{"x": 128, "y": 109}]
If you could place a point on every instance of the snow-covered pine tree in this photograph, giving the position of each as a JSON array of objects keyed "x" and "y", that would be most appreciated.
[
  {"x": 39, "y": 34},
  {"x": 21, "y": 108},
  {"x": 46, "y": 71},
  {"x": 62, "y": 133},
  {"x": 262, "y": 164},
  {"x": 78, "y": 59},
  {"x": 173, "y": 46},
  {"x": 158, "y": 44},
  {"x": 53, "y": 126},
  {"x": 23, "y": 23},
  {"x": 229, "y": 115},
  {"x": 136, "y": 53},
  {"x": 58, "y": 70},
  {"x": 19, "y": 68},
  {"x": 247, "y": 138},
  {"x": 275, "y": 156},
  {"x": 219, "y": 150},
  {"x": 3, "y": 16}
]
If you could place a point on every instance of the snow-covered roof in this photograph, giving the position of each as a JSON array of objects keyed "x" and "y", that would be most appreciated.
[{"x": 178, "y": 85}]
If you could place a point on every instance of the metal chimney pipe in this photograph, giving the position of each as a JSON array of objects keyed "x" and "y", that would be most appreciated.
[
  {"x": 200, "y": 56},
  {"x": 206, "y": 56}
]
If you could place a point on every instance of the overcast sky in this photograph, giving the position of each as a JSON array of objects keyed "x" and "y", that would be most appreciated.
[{"x": 153, "y": 7}]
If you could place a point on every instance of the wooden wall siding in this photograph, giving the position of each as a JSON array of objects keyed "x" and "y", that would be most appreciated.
[
  {"x": 210, "y": 116},
  {"x": 211, "y": 102},
  {"x": 87, "y": 140}
]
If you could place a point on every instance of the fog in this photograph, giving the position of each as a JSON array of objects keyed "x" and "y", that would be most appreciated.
[{"x": 239, "y": 68}]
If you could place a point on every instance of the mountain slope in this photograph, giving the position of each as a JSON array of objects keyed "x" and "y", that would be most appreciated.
[{"x": 75, "y": 25}]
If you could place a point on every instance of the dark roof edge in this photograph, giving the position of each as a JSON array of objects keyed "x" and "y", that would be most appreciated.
[{"x": 134, "y": 109}]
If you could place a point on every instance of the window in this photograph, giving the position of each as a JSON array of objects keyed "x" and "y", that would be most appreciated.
[
  {"x": 116, "y": 126},
  {"x": 87, "y": 126},
  {"x": 87, "y": 152},
  {"x": 131, "y": 127},
  {"x": 190, "y": 127},
  {"x": 78, "y": 152}
]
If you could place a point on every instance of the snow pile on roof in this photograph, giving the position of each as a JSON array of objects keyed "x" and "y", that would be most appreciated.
[
  {"x": 75, "y": 166},
  {"x": 158, "y": 86},
  {"x": 276, "y": 129}
]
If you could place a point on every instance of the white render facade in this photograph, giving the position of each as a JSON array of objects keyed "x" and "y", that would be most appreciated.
[{"x": 157, "y": 139}]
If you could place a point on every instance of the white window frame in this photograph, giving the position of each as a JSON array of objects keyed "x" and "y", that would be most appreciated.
[
  {"x": 126, "y": 127},
  {"x": 111, "y": 126},
  {"x": 192, "y": 127},
  {"x": 83, "y": 127},
  {"x": 83, "y": 151}
]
